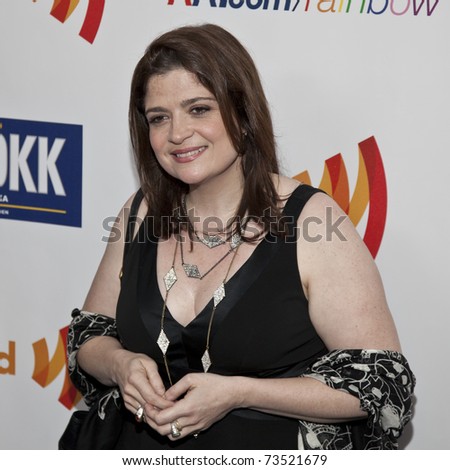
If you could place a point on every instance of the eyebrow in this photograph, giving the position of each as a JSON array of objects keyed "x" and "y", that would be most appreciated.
[{"x": 184, "y": 104}]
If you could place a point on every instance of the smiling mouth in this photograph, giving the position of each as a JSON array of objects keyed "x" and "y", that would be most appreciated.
[{"x": 191, "y": 153}]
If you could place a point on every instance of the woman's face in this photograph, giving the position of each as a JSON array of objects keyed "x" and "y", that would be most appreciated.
[{"x": 187, "y": 132}]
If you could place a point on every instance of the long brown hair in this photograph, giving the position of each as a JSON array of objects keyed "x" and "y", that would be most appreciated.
[{"x": 224, "y": 67}]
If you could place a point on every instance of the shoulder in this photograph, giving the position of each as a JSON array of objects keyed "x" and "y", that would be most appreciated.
[
  {"x": 104, "y": 291},
  {"x": 135, "y": 206},
  {"x": 327, "y": 233},
  {"x": 137, "y": 202},
  {"x": 329, "y": 243},
  {"x": 285, "y": 186},
  {"x": 314, "y": 202}
]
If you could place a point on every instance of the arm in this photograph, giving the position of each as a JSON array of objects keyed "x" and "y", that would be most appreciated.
[
  {"x": 103, "y": 357},
  {"x": 346, "y": 297}
]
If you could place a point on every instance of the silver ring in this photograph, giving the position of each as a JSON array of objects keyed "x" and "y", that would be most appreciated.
[
  {"x": 175, "y": 429},
  {"x": 139, "y": 415}
]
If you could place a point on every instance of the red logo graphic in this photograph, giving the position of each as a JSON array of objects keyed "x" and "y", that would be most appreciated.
[{"x": 62, "y": 9}]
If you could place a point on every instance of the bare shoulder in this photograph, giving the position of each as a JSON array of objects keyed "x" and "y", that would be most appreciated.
[
  {"x": 320, "y": 206},
  {"x": 285, "y": 185},
  {"x": 323, "y": 220},
  {"x": 328, "y": 237},
  {"x": 104, "y": 291}
]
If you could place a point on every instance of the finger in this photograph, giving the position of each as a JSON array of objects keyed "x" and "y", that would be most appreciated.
[
  {"x": 156, "y": 395},
  {"x": 135, "y": 406},
  {"x": 157, "y": 402},
  {"x": 155, "y": 379},
  {"x": 176, "y": 429},
  {"x": 133, "y": 392},
  {"x": 151, "y": 418},
  {"x": 179, "y": 389},
  {"x": 139, "y": 388},
  {"x": 181, "y": 411},
  {"x": 183, "y": 430}
]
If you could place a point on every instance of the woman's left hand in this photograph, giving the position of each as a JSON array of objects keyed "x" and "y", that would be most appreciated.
[{"x": 201, "y": 400}]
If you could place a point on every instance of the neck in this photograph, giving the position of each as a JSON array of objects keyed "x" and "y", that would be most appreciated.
[
  {"x": 212, "y": 214},
  {"x": 214, "y": 202}
]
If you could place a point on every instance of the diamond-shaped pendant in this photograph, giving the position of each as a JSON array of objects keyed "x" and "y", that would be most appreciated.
[
  {"x": 211, "y": 241},
  {"x": 206, "y": 361},
  {"x": 192, "y": 270},
  {"x": 163, "y": 342},
  {"x": 219, "y": 294},
  {"x": 236, "y": 240},
  {"x": 170, "y": 278}
]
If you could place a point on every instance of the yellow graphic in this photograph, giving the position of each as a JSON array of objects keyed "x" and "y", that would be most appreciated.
[
  {"x": 341, "y": 193},
  {"x": 31, "y": 208},
  {"x": 69, "y": 6}
]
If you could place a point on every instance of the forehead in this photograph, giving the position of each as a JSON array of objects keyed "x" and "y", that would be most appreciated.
[{"x": 176, "y": 85}]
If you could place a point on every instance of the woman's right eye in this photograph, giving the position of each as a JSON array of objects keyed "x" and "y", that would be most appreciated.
[{"x": 157, "y": 119}]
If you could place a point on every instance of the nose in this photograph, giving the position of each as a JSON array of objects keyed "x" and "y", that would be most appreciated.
[{"x": 180, "y": 129}]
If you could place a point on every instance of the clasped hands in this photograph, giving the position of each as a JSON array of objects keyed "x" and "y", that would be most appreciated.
[{"x": 191, "y": 405}]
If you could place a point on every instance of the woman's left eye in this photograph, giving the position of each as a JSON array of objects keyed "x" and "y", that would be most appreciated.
[{"x": 200, "y": 109}]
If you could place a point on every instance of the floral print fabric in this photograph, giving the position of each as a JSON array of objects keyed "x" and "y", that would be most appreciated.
[
  {"x": 85, "y": 326},
  {"x": 383, "y": 383}
]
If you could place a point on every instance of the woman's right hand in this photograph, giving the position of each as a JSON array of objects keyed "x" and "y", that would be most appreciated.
[{"x": 139, "y": 381}]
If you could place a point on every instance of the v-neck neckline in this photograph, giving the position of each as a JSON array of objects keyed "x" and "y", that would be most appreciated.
[{"x": 208, "y": 307}]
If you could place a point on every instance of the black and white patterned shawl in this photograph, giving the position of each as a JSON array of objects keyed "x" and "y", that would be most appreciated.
[{"x": 383, "y": 383}]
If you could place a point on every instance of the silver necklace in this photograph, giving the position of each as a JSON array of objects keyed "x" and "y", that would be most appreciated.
[
  {"x": 211, "y": 241},
  {"x": 193, "y": 271},
  {"x": 170, "y": 279}
]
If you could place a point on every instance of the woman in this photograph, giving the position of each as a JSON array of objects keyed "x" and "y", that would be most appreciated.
[{"x": 228, "y": 328}]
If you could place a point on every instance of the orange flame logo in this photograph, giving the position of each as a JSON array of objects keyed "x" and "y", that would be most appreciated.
[
  {"x": 370, "y": 188},
  {"x": 46, "y": 370}
]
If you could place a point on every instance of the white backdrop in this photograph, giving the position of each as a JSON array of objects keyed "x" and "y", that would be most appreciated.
[{"x": 333, "y": 78}]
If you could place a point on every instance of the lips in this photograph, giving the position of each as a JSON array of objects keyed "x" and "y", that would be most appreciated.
[{"x": 188, "y": 154}]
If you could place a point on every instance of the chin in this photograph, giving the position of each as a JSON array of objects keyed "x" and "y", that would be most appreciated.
[{"x": 190, "y": 177}]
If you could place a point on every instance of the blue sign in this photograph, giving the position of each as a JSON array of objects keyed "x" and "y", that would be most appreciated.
[{"x": 41, "y": 167}]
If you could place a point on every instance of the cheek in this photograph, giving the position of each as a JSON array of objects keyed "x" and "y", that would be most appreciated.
[
  {"x": 217, "y": 135},
  {"x": 156, "y": 141}
]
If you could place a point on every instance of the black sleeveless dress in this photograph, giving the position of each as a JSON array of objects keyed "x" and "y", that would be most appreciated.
[{"x": 261, "y": 329}]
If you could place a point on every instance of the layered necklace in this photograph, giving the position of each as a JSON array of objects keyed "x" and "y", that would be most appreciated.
[
  {"x": 211, "y": 241},
  {"x": 193, "y": 271}
]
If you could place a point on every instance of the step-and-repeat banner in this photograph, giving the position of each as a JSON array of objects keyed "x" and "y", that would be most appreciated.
[{"x": 359, "y": 91}]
